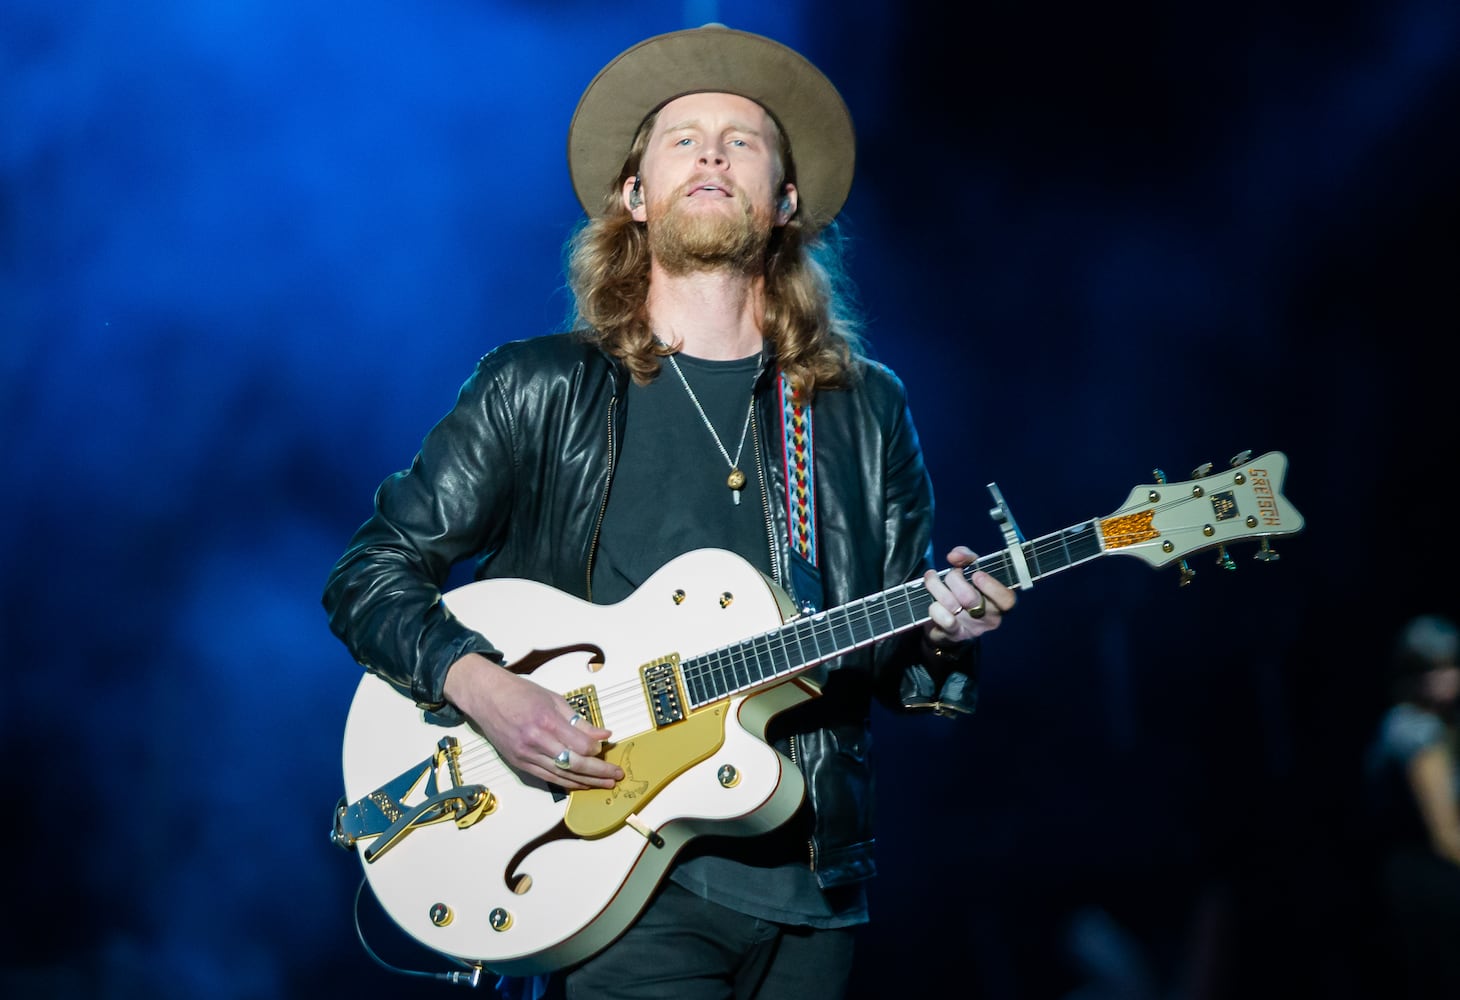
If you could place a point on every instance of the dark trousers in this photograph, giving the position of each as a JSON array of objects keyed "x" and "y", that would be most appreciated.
[
  {"x": 1422, "y": 906},
  {"x": 683, "y": 947}
]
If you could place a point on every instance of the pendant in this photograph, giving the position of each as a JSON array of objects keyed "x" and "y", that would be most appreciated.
[{"x": 736, "y": 481}]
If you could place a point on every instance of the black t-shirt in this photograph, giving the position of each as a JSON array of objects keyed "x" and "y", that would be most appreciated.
[{"x": 669, "y": 494}]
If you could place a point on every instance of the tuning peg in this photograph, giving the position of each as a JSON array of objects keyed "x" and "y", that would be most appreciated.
[
  {"x": 1241, "y": 458},
  {"x": 1223, "y": 559},
  {"x": 1204, "y": 469},
  {"x": 1186, "y": 574},
  {"x": 1266, "y": 553}
]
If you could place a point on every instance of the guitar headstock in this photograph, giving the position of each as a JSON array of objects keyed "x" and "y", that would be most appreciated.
[{"x": 1163, "y": 522}]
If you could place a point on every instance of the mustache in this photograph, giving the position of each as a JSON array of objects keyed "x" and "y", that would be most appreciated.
[{"x": 716, "y": 181}]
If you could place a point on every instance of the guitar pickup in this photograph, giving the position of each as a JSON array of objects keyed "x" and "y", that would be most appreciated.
[
  {"x": 661, "y": 686},
  {"x": 386, "y": 815},
  {"x": 585, "y": 703}
]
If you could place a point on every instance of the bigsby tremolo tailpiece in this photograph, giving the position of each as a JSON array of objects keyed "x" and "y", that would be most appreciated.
[{"x": 385, "y": 814}]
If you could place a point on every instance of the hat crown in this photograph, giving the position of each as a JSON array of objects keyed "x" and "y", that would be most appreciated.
[{"x": 715, "y": 58}]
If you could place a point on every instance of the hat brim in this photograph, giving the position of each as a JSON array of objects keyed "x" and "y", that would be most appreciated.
[{"x": 716, "y": 59}]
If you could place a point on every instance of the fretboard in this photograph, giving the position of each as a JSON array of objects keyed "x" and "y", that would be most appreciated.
[{"x": 805, "y": 641}]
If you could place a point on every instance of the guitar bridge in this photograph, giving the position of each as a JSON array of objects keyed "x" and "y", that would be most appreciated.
[{"x": 386, "y": 815}]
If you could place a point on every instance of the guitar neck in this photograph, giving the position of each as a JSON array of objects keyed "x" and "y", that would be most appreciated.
[
  {"x": 813, "y": 639},
  {"x": 1159, "y": 523}
]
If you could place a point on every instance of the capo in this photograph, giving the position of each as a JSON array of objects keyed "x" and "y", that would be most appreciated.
[{"x": 1014, "y": 538}]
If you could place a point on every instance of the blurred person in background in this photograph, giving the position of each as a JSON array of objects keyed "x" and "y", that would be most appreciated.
[{"x": 1413, "y": 805}]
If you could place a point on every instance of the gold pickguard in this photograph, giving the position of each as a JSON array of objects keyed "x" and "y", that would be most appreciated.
[{"x": 650, "y": 762}]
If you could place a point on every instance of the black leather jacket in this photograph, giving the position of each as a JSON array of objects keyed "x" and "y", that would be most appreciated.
[{"x": 517, "y": 475}]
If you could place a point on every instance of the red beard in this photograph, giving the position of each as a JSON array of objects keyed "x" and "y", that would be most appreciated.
[{"x": 683, "y": 239}]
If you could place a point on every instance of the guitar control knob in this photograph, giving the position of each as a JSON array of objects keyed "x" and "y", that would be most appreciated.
[
  {"x": 499, "y": 919},
  {"x": 441, "y": 914}
]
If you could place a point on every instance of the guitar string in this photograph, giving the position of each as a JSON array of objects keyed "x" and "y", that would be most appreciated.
[
  {"x": 626, "y": 696},
  {"x": 614, "y": 697}
]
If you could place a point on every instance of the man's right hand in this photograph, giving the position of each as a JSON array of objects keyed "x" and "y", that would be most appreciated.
[{"x": 529, "y": 725}]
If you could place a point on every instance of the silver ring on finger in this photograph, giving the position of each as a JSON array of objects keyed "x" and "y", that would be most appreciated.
[{"x": 564, "y": 759}]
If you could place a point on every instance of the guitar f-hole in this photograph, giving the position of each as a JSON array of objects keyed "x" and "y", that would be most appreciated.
[
  {"x": 537, "y": 657},
  {"x": 520, "y": 882}
]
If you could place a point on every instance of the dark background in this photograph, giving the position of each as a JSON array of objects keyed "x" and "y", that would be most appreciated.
[{"x": 248, "y": 251}]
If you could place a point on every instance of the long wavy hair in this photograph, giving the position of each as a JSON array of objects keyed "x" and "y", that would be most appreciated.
[{"x": 810, "y": 322}]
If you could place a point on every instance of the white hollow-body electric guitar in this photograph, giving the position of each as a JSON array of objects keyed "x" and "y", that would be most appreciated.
[{"x": 519, "y": 877}]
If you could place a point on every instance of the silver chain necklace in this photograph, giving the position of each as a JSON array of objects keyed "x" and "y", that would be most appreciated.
[{"x": 736, "y": 479}]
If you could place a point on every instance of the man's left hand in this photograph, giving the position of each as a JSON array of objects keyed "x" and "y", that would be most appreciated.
[{"x": 964, "y": 609}]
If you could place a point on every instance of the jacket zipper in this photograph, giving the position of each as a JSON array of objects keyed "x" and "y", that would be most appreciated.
[
  {"x": 603, "y": 505},
  {"x": 765, "y": 502},
  {"x": 796, "y": 759}
]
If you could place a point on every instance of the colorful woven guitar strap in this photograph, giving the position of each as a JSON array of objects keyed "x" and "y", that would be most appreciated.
[{"x": 800, "y": 481}]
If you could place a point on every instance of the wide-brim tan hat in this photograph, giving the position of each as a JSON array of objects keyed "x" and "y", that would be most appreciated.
[{"x": 717, "y": 59}]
